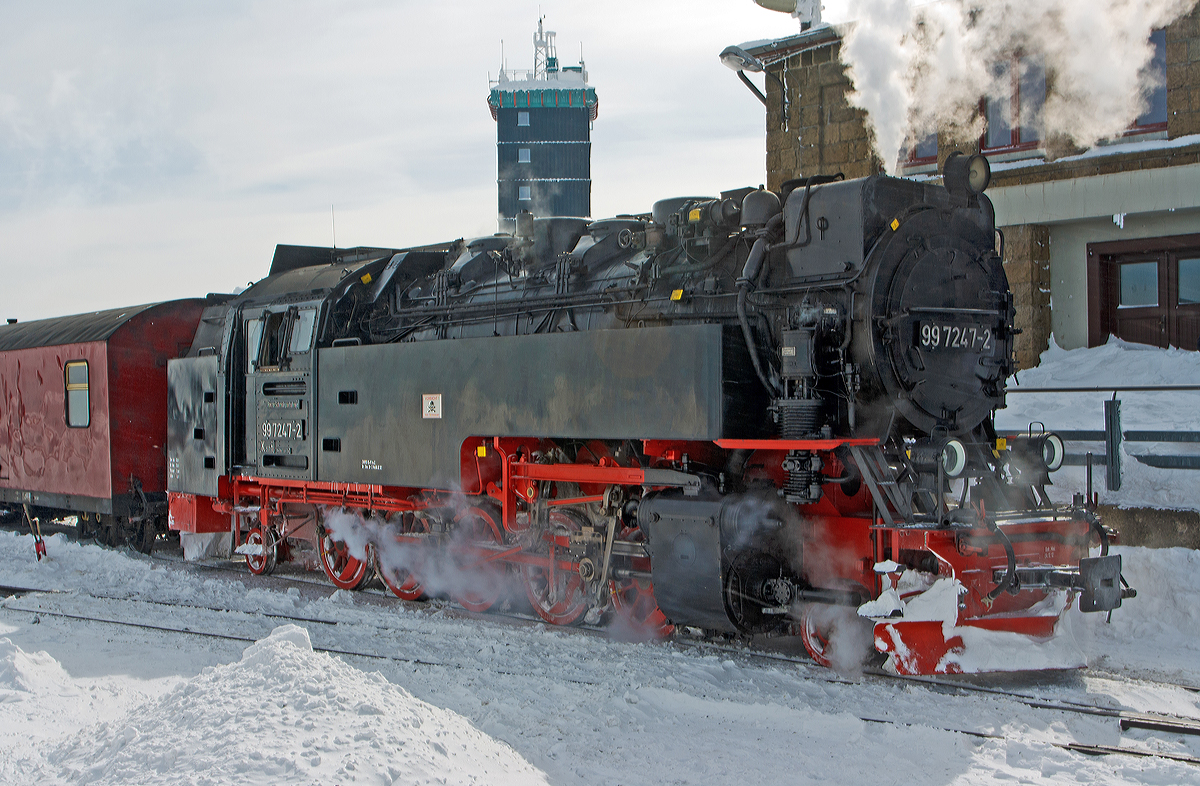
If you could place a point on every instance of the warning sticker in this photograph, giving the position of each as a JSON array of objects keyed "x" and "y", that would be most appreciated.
[{"x": 431, "y": 405}]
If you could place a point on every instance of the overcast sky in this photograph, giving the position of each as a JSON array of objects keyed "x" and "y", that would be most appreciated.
[{"x": 154, "y": 150}]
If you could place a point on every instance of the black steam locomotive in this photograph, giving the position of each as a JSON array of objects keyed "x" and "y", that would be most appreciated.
[{"x": 732, "y": 413}]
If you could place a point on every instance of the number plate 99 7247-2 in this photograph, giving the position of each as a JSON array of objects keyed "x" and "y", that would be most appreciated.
[
  {"x": 937, "y": 336},
  {"x": 282, "y": 429}
]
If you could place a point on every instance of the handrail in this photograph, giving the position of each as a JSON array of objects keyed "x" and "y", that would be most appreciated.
[{"x": 1106, "y": 389}]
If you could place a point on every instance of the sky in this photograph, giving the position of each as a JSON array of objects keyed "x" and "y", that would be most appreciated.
[{"x": 151, "y": 150}]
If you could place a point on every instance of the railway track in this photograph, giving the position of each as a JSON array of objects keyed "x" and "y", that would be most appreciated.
[{"x": 26, "y": 600}]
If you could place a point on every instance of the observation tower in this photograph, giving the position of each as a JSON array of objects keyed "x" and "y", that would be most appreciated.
[{"x": 543, "y": 136}]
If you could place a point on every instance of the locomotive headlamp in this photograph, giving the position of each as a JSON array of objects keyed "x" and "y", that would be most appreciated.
[
  {"x": 966, "y": 175},
  {"x": 949, "y": 455},
  {"x": 954, "y": 458},
  {"x": 1053, "y": 451},
  {"x": 1046, "y": 450}
]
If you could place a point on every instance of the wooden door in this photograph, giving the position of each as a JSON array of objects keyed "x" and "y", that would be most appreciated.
[{"x": 1145, "y": 291}]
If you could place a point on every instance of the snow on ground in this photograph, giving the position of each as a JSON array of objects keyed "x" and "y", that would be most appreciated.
[
  {"x": 1115, "y": 363},
  {"x": 457, "y": 700}
]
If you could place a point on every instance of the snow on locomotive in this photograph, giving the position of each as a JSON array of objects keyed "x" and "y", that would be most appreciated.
[{"x": 759, "y": 413}]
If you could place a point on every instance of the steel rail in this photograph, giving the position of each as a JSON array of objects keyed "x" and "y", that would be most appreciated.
[{"x": 1075, "y": 747}]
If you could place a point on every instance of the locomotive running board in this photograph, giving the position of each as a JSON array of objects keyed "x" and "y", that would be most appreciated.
[
  {"x": 629, "y": 476},
  {"x": 881, "y": 482}
]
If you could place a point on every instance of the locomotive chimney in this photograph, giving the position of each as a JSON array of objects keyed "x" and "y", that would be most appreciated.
[{"x": 12, "y": 321}]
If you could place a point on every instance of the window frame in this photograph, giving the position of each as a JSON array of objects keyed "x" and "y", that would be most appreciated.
[
  {"x": 523, "y": 155},
  {"x": 522, "y": 120},
  {"x": 296, "y": 330},
  {"x": 1137, "y": 127},
  {"x": 1015, "y": 126},
  {"x": 524, "y": 194},
  {"x": 74, "y": 387},
  {"x": 913, "y": 160}
]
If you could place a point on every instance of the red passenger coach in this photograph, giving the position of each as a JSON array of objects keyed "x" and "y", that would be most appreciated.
[{"x": 83, "y": 414}]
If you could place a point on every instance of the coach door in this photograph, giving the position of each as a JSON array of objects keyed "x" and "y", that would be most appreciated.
[{"x": 279, "y": 383}]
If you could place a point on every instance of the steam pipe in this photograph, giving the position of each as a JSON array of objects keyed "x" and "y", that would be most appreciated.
[
  {"x": 1009, "y": 582},
  {"x": 750, "y": 272}
]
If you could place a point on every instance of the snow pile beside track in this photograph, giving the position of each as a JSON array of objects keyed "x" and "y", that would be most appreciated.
[
  {"x": 1116, "y": 363},
  {"x": 82, "y": 566},
  {"x": 24, "y": 674},
  {"x": 1158, "y": 632},
  {"x": 286, "y": 714}
]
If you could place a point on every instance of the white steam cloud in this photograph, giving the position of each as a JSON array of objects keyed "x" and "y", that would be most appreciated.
[{"x": 919, "y": 68}]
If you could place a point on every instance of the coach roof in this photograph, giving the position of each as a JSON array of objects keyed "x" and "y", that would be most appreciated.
[{"x": 74, "y": 329}]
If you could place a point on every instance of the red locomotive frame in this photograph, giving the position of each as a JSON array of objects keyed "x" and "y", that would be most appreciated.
[{"x": 511, "y": 484}]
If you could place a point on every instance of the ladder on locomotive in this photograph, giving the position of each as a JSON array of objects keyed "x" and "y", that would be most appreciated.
[{"x": 882, "y": 482}]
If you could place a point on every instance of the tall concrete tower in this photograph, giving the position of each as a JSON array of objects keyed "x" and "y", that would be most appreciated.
[{"x": 543, "y": 136}]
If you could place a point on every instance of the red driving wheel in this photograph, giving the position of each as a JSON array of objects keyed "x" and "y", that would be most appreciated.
[
  {"x": 398, "y": 567},
  {"x": 262, "y": 543},
  {"x": 478, "y": 582},
  {"x": 559, "y": 596},
  {"x": 342, "y": 568}
]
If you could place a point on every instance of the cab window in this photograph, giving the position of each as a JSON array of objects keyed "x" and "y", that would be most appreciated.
[
  {"x": 78, "y": 398},
  {"x": 253, "y": 338},
  {"x": 274, "y": 329},
  {"x": 302, "y": 330}
]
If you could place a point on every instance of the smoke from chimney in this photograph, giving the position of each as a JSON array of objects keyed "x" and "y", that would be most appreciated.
[{"x": 920, "y": 68}]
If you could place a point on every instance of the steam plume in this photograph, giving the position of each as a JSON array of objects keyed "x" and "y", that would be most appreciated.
[{"x": 918, "y": 68}]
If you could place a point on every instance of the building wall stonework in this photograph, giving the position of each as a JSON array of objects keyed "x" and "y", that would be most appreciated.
[
  {"x": 823, "y": 135},
  {"x": 1183, "y": 76},
  {"x": 1027, "y": 264}
]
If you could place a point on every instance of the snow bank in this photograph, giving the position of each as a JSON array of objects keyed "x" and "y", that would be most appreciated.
[
  {"x": 286, "y": 714},
  {"x": 1158, "y": 632},
  {"x": 1116, "y": 363},
  {"x": 25, "y": 676}
]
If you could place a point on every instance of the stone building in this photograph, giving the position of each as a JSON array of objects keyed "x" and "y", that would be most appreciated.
[{"x": 1098, "y": 242}]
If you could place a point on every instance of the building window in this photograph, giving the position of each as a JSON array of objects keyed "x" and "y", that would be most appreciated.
[
  {"x": 1139, "y": 284},
  {"x": 523, "y": 155},
  {"x": 523, "y": 193},
  {"x": 1189, "y": 281},
  {"x": 1012, "y": 119},
  {"x": 79, "y": 410},
  {"x": 1155, "y": 116},
  {"x": 522, "y": 118},
  {"x": 924, "y": 151}
]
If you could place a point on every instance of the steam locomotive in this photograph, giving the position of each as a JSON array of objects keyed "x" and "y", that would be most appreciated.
[{"x": 758, "y": 413}]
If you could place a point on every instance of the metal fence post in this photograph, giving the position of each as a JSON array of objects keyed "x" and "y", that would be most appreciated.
[{"x": 1112, "y": 442}]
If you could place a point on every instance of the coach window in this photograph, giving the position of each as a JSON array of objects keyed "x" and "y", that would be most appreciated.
[
  {"x": 302, "y": 330},
  {"x": 79, "y": 413}
]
